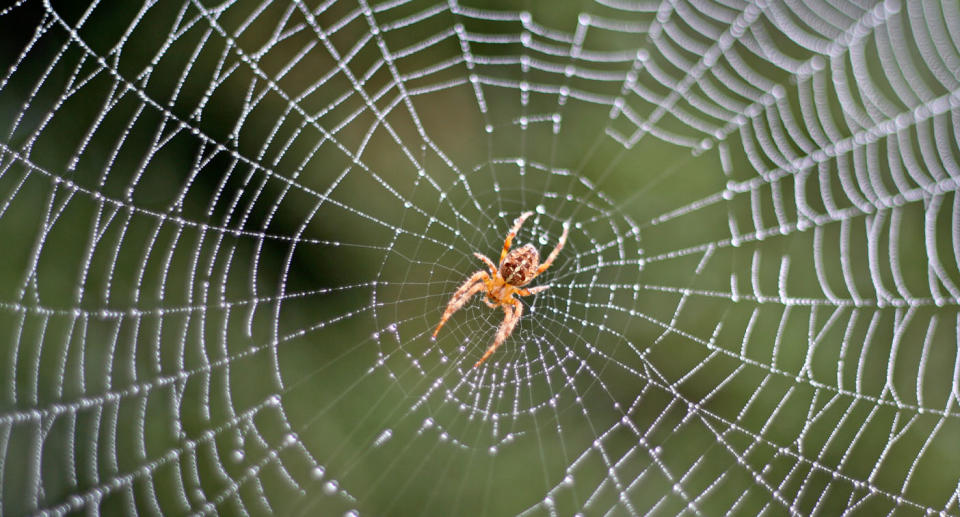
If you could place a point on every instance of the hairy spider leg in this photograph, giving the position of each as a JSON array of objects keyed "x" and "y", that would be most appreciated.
[
  {"x": 487, "y": 261},
  {"x": 556, "y": 251},
  {"x": 472, "y": 286},
  {"x": 513, "y": 233},
  {"x": 513, "y": 309},
  {"x": 494, "y": 274},
  {"x": 532, "y": 290}
]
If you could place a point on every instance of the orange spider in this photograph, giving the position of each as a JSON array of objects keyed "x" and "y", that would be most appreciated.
[{"x": 517, "y": 268}]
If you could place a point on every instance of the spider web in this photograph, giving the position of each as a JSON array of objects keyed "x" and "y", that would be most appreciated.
[{"x": 230, "y": 228}]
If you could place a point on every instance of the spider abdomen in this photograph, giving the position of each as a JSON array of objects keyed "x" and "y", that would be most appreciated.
[{"x": 520, "y": 265}]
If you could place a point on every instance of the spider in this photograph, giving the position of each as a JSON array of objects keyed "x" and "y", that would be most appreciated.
[{"x": 516, "y": 269}]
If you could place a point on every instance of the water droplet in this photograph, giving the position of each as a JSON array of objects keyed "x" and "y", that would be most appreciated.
[
  {"x": 318, "y": 472},
  {"x": 330, "y": 487},
  {"x": 383, "y": 438}
]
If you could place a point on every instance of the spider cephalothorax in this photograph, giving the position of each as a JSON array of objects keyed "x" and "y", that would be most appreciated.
[{"x": 516, "y": 269}]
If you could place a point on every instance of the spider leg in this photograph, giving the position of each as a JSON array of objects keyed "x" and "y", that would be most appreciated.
[
  {"x": 513, "y": 309},
  {"x": 513, "y": 233},
  {"x": 474, "y": 284},
  {"x": 532, "y": 290},
  {"x": 556, "y": 251},
  {"x": 487, "y": 261}
]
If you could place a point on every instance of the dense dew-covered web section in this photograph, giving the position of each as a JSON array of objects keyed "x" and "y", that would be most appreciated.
[{"x": 229, "y": 229}]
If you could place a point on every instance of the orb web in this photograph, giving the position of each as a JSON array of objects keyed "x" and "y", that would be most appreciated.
[{"x": 230, "y": 229}]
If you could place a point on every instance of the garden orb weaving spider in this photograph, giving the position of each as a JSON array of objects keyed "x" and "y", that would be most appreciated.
[{"x": 516, "y": 269}]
